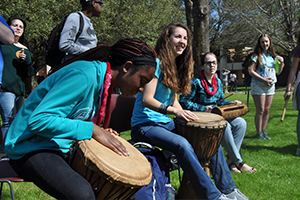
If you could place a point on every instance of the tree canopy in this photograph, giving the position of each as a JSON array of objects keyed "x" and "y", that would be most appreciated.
[{"x": 142, "y": 19}]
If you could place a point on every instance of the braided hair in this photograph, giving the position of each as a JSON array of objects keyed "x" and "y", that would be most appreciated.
[{"x": 134, "y": 50}]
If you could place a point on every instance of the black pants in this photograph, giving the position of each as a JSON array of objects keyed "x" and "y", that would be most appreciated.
[{"x": 51, "y": 173}]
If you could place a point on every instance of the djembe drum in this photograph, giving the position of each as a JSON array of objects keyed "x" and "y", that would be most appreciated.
[
  {"x": 111, "y": 176},
  {"x": 205, "y": 136},
  {"x": 231, "y": 110}
]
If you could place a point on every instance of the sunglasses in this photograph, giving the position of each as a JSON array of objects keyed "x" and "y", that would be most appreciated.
[{"x": 101, "y": 3}]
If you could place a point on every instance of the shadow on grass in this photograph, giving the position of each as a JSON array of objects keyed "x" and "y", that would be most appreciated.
[{"x": 285, "y": 150}]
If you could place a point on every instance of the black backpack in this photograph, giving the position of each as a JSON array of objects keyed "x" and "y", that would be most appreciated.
[
  {"x": 246, "y": 64},
  {"x": 53, "y": 56}
]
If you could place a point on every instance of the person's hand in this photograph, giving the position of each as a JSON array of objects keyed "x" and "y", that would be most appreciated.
[
  {"x": 208, "y": 109},
  {"x": 280, "y": 59},
  {"x": 112, "y": 131},
  {"x": 237, "y": 102},
  {"x": 22, "y": 55},
  {"x": 187, "y": 115},
  {"x": 268, "y": 81},
  {"x": 287, "y": 95},
  {"x": 107, "y": 139}
]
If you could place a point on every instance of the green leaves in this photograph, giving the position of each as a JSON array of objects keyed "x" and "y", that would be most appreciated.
[{"x": 119, "y": 19}]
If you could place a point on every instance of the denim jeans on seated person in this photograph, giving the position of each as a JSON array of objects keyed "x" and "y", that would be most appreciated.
[
  {"x": 163, "y": 136},
  {"x": 233, "y": 138}
]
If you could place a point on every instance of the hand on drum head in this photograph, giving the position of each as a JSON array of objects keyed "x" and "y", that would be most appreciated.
[
  {"x": 187, "y": 115},
  {"x": 107, "y": 139},
  {"x": 112, "y": 131}
]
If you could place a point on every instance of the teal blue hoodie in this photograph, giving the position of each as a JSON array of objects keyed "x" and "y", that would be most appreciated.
[{"x": 58, "y": 111}]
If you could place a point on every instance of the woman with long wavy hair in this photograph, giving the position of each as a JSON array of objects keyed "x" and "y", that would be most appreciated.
[{"x": 150, "y": 121}]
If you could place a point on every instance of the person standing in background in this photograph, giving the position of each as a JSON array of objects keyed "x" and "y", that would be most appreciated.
[
  {"x": 262, "y": 70},
  {"x": 225, "y": 73},
  {"x": 296, "y": 95},
  {"x": 17, "y": 67},
  {"x": 6, "y": 38},
  {"x": 87, "y": 39},
  {"x": 233, "y": 82}
]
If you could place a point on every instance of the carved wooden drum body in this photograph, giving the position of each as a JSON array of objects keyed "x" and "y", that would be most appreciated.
[
  {"x": 205, "y": 136},
  {"x": 231, "y": 110},
  {"x": 111, "y": 176}
]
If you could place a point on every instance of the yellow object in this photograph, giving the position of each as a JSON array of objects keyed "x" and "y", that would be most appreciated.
[{"x": 18, "y": 53}]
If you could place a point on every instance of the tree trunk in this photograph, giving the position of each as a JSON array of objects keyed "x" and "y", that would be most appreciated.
[{"x": 201, "y": 30}]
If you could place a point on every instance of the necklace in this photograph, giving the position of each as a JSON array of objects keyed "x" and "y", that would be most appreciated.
[{"x": 205, "y": 85}]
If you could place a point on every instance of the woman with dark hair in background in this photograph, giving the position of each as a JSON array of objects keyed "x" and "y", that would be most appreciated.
[{"x": 17, "y": 67}]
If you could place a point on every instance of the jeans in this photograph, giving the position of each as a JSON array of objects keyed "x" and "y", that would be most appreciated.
[
  {"x": 9, "y": 106},
  {"x": 163, "y": 136},
  {"x": 298, "y": 119},
  {"x": 50, "y": 172},
  {"x": 233, "y": 138},
  {"x": 233, "y": 84}
]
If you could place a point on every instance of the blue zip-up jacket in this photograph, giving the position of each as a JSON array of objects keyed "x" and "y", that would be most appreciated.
[{"x": 58, "y": 111}]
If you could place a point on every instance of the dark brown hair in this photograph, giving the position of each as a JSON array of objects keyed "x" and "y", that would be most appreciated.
[
  {"x": 177, "y": 71},
  {"x": 9, "y": 22}
]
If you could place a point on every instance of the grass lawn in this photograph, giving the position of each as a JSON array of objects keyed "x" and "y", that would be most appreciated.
[{"x": 277, "y": 176}]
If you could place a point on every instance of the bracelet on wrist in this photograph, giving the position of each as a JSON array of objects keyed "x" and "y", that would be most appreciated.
[{"x": 163, "y": 108}]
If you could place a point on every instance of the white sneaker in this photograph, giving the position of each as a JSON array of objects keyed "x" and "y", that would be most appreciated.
[
  {"x": 224, "y": 197},
  {"x": 298, "y": 152},
  {"x": 236, "y": 193}
]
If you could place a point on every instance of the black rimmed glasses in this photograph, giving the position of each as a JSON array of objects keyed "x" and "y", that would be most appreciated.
[
  {"x": 211, "y": 63},
  {"x": 100, "y": 2}
]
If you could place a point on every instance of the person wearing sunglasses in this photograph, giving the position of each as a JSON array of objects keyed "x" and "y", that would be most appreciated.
[{"x": 72, "y": 44}]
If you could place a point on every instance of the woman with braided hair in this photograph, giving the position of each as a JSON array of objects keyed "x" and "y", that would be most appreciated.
[{"x": 70, "y": 105}]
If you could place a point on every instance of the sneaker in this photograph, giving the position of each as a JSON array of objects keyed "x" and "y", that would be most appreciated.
[
  {"x": 266, "y": 136},
  {"x": 298, "y": 152},
  {"x": 260, "y": 135},
  {"x": 236, "y": 193},
  {"x": 224, "y": 197}
]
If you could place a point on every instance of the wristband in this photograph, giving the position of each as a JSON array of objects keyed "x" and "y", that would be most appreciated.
[{"x": 163, "y": 108}]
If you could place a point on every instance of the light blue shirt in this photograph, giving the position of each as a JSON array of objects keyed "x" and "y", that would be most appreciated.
[
  {"x": 163, "y": 94},
  {"x": 267, "y": 62}
]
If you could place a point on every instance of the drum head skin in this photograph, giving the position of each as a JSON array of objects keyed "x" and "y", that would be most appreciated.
[
  {"x": 134, "y": 170},
  {"x": 206, "y": 120}
]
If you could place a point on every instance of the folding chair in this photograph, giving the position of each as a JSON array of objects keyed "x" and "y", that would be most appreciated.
[{"x": 7, "y": 174}]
